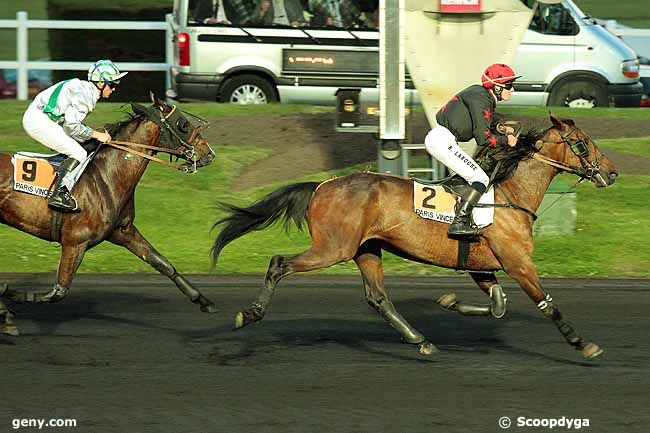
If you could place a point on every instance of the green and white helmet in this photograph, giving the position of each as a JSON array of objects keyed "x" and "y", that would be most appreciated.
[{"x": 104, "y": 71}]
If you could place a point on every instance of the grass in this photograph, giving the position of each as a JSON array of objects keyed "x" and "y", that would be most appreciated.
[
  {"x": 176, "y": 212},
  {"x": 633, "y": 13}
]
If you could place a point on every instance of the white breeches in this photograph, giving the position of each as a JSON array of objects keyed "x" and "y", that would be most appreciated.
[
  {"x": 441, "y": 144},
  {"x": 50, "y": 134}
]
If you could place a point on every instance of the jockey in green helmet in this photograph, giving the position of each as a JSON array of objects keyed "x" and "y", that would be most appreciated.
[{"x": 55, "y": 119}]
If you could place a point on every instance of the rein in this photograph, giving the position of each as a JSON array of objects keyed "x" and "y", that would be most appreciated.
[
  {"x": 557, "y": 164},
  {"x": 579, "y": 148},
  {"x": 122, "y": 145},
  {"x": 163, "y": 122}
]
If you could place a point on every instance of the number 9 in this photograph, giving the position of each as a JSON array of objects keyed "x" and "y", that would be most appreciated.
[{"x": 29, "y": 171}]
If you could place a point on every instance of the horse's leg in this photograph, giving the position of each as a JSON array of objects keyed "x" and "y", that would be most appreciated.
[
  {"x": 519, "y": 265},
  {"x": 130, "y": 238},
  {"x": 71, "y": 257},
  {"x": 487, "y": 283},
  {"x": 320, "y": 255},
  {"x": 7, "y": 324},
  {"x": 369, "y": 262}
]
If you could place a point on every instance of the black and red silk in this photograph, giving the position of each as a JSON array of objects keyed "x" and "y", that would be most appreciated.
[{"x": 469, "y": 115}]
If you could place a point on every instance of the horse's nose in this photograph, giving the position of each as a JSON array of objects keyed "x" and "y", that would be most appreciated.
[{"x": 612, "y": 175}]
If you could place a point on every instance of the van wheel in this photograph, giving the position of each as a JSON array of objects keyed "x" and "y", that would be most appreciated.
[
  {"x": 579, "y": 94},
  {"x": 248, "y": 89}
]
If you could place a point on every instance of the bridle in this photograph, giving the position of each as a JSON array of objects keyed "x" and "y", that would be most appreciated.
[
  {"x": 589, "y": 170},
  {"x": 173, "y": 127}
]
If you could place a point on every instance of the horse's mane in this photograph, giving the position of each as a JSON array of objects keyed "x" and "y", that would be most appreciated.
[
  {"x": 120, "y": 125},
  {"x": 510, "y": 157},
  {"x": 113, "y": 129}
]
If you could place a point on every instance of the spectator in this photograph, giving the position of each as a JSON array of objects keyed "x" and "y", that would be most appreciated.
[
  {"x": 236, "y": 12},
  {"x": 334, "y": 13},
  {"x": 279, "y": 12}
]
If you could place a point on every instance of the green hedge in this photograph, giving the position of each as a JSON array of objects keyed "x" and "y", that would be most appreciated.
[{"x": 119, "y": 46}]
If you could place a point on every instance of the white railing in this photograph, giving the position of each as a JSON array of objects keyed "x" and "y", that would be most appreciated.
[{"x": 22, "y": 63}]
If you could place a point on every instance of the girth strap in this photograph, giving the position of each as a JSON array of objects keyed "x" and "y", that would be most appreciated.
[
  {"x": 508, "y": 206},
  {"x": 57, "y": 220}
]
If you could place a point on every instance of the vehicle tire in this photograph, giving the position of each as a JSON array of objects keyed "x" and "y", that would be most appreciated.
[
  {"x": 579, "y": 94},
  {"x": 248, "y": 89}
]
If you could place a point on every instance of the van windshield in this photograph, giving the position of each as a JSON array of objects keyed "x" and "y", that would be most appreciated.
[
  {"x": 345, "y": 14},
  {"x": 553, "y": 19}
]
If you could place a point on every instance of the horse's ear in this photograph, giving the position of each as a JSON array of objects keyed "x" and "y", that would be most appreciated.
[
  {"x": 156, "y": 102},
  {"x": 557, "y": 122},
  {"x": 569, "y": 122}
]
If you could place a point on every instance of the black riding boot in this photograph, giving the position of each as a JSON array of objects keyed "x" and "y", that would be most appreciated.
[
  {"x": 462, "y": 225},
  {"x": 61, "y": 199}
]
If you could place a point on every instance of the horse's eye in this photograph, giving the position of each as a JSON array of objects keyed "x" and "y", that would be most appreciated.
[{"x": 183, "y": 126}]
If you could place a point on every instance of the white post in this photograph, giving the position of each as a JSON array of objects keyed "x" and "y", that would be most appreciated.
[
  {"x": 22, "y": 56},
  {"x": 169, "y": 50}
]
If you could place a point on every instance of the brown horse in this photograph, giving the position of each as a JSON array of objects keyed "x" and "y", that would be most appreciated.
[
  {"x": 105, "y": 192},
  {"x": 356, "y": 216}
]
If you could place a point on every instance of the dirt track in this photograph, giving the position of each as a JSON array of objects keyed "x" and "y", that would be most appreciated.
[
  {"x": 307, "y": 143},
  {"x": 130, "y": 354}
]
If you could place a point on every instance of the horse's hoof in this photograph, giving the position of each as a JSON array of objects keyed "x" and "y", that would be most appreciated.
[
  {"x": 239, "y": 320},
  {"x": 447, "y": 301},
  {"x": 591, "y": 351},
  {"x": 248, "y": 316},
  {"x": 209, "y": 308},
  {"x": 427, "y": 348},
  {"x": 11, "y": 330}
]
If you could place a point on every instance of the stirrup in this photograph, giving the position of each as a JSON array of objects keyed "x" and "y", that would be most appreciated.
[
  {"x": 67, "y": 203},
  {"x": 462, "y": 231},
  {"x": 462, "y": 227}
]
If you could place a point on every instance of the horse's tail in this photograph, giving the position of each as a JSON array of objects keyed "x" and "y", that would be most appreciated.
[{"x": 289, "y": 203}]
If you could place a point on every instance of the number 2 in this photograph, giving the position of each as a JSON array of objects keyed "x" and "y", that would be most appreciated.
[
  {"x": 29, "y": 171},
  {"x": 432, "y": 194}
]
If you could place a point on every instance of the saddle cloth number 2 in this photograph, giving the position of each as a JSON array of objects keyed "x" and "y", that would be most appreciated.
[
  {"x": 433, "y": 202},
  {"x": 33, "y": 176}
]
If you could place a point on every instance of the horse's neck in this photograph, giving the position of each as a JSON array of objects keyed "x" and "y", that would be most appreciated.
[
  {"x": 527, "y": 186},
  {"x": 120, "y": 169}
]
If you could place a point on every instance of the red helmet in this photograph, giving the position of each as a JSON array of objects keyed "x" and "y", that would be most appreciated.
[{"x": 498, "y": 74}]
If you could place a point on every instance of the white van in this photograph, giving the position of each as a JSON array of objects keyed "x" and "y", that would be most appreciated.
[{"x": 238, "y": 56}]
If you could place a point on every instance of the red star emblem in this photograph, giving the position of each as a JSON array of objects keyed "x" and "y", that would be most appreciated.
[
  {"x": 487, "y": 114},
  {"x": 444, "y": 107},
  {"x": 493, "y": 141}
]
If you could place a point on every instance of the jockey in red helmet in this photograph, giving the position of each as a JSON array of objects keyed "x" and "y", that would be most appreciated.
[{"x": 469, "y": 115}]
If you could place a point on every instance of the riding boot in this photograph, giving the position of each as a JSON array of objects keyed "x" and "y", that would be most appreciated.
[
  {"x": 462, "y": 225},
  {"x": 61, "y": 198}
]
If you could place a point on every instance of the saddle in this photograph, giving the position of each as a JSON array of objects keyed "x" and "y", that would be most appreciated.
[
  {"x": 34, "y": 173},
  {"x": 453, "y": 184}
]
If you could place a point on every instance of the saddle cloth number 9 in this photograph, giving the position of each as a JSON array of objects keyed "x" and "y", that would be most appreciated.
[
  {"x": 433, "y": 202},
  {"x": 33, "y": 175}
]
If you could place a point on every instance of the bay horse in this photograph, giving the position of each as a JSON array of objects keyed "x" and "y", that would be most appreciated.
[
  {"x": 357, "y": 216},
  {"x": 105, "y": 192}
]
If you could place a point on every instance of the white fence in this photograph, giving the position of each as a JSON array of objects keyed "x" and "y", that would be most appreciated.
[{"x": 22, "y": 63}]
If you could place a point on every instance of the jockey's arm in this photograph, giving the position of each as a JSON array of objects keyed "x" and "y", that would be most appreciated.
[
  {"x": 73, "y": 122},
  {"x": 481, "y": 113}
]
